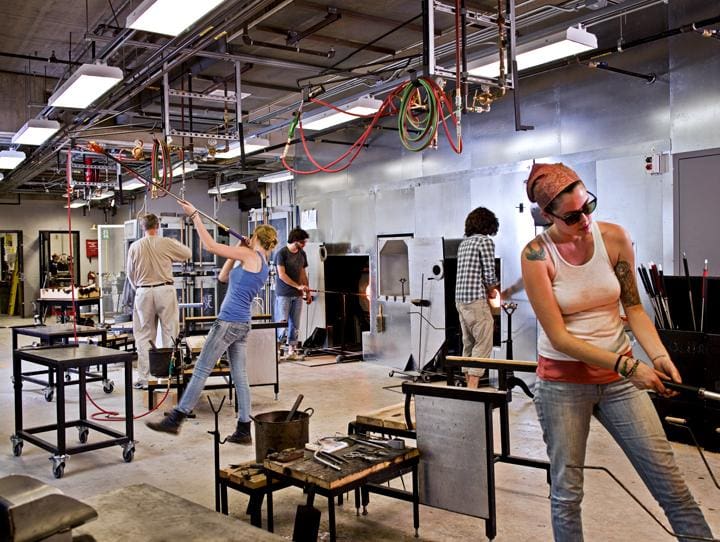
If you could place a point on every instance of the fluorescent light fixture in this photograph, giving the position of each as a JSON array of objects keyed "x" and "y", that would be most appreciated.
[
  {"x": 252, "y": 144},
  {"x": 133, "y": 184},
  {"x": 177, "y": 169},
  {"x": 235, "y": 186},
  {"x": 169, "y": 17},
  {"x": 87, "y": 84},
  {"x": 35, "y": 132},
  {"x": 278, "y": 177},
  {"x": 76, "y": 204},
  {"x": 11, "y": 159},
  {"x": 569, "y": 42},
  {"x": 361, "y": 106},
  {"x": 218, "y": 92},
  {"x": 104, "y": 194}
]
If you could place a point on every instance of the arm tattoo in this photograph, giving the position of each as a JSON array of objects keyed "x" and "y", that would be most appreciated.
[
  {"x": 629, "y": 295},
  {"x": 534, "y": 254}
]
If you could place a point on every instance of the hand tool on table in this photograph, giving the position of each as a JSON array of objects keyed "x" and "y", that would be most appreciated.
[
  {"x": 330, "y": 457},
  {"x": 360, "y": 455},
  {"x": 690, "y": 295},
  {"x": 317, "y": 457}
]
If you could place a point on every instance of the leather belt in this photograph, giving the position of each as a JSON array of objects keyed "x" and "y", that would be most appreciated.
[{"x": 155, "y": 285}]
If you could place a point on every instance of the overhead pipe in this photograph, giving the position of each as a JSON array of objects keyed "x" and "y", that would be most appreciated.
[
  {"x": 52, "y": 59},
  {"x": 649, "y": 77},
  {"x": 247, "y": 40},
  {"x": 155, "y": 66},
  {"x": 619, "y": 48}
]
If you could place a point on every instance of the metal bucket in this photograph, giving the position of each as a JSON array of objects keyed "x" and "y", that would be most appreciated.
[
  {"x": 273, "y": 433},
  {"x": 160, "y": 361}
]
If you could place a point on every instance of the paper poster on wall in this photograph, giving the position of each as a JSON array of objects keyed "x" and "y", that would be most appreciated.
[{"x": 308, "y": 219}]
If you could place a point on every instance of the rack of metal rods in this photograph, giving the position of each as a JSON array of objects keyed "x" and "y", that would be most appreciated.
[{"x": 654, "y": 282}]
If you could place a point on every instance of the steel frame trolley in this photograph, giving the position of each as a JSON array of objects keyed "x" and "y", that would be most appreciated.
[{"x": 61, "y": 360}]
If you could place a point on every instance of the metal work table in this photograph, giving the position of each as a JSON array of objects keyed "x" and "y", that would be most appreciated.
[
  {"x": 59, "y": 334},
  {"x": 356, "y": 475},
  {"x": 262, "y": 361},
  {"x": 503, "y": 366},
  {"x": 60, "y": 360},
  {"x": 455, "y": 433},
  {"x": 44, "y": 303},
  {"x": 147, "y": 513}
]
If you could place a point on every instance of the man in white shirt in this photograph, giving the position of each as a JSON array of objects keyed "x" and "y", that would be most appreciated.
[{"x": 149, "y": 270}]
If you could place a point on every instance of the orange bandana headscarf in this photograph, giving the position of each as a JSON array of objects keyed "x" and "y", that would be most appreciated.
[{"x": 546, "y": 181}]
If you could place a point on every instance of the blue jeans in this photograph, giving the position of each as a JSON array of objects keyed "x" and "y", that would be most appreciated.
[
  {"x": 289, "y": 308},
  {"x": 223, "y": 336},
  {"x": 564, "y": 411}
]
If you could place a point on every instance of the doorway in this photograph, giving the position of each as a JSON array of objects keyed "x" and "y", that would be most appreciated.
[
  {"x": 12, "y": 294},
  {"x": 59, "y": 260},
  {"x": 347, "y": 306}
]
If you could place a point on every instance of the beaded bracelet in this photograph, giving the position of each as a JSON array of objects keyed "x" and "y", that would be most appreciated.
[
  {"x": 623, "y": 370},
  {"x": 194, "y": 214},
  {"x": 633, "y": 369}
]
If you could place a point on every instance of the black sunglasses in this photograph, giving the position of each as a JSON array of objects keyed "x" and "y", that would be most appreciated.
[{"x": 574, "y": 217}]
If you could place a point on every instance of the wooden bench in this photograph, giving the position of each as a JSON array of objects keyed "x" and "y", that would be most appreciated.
[{"x": 248, "y": 478}]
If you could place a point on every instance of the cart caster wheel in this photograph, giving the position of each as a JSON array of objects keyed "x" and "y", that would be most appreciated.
[
  {"x": 59, "y": 470},
  {"x": 339, "y": 359},
  {"x": 426, "y": 378},
  {"x": 83, "y": 435},
  {"x": 109, "y": 386},
  {"x": 49, "y": 393},
  {"x": 17, "y": 448},
  {"x": 128, "y": 454},
  {"x": 391, "y": 374}
]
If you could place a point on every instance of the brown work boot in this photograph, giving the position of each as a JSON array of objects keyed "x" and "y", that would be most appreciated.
[
  {"x": 241, "y": 434},
  {"x": 170, "y": 423}
]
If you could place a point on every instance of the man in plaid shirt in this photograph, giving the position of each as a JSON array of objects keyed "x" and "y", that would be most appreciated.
[{"x": 476, "y": 283}]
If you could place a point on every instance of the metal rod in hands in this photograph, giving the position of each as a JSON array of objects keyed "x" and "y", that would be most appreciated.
[{"x": 150, "y": 183}]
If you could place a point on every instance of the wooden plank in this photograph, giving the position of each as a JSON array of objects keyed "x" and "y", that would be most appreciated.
[
  {"x": 491, "y": 363},
  {"x": 392, "y": 417},
  {"x": 309, "y": 471}
]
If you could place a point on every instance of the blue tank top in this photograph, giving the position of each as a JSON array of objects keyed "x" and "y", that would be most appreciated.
[{"x": 244, "y": 286}]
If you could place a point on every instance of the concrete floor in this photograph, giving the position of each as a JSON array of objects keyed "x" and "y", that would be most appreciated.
[{"x": 184, "y": 465}]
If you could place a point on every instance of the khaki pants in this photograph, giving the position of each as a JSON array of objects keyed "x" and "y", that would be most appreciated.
[
  {"x": 153, "y": 305},
  {"x": 476, "y": 322}
]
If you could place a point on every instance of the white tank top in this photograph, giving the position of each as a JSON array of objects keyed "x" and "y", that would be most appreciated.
[{"x": 589, "y": 299}]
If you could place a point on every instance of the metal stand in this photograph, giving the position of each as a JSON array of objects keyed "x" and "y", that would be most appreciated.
[
  {"x": 507, "y": 379},
  {"x": 216, "y": 450}
]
